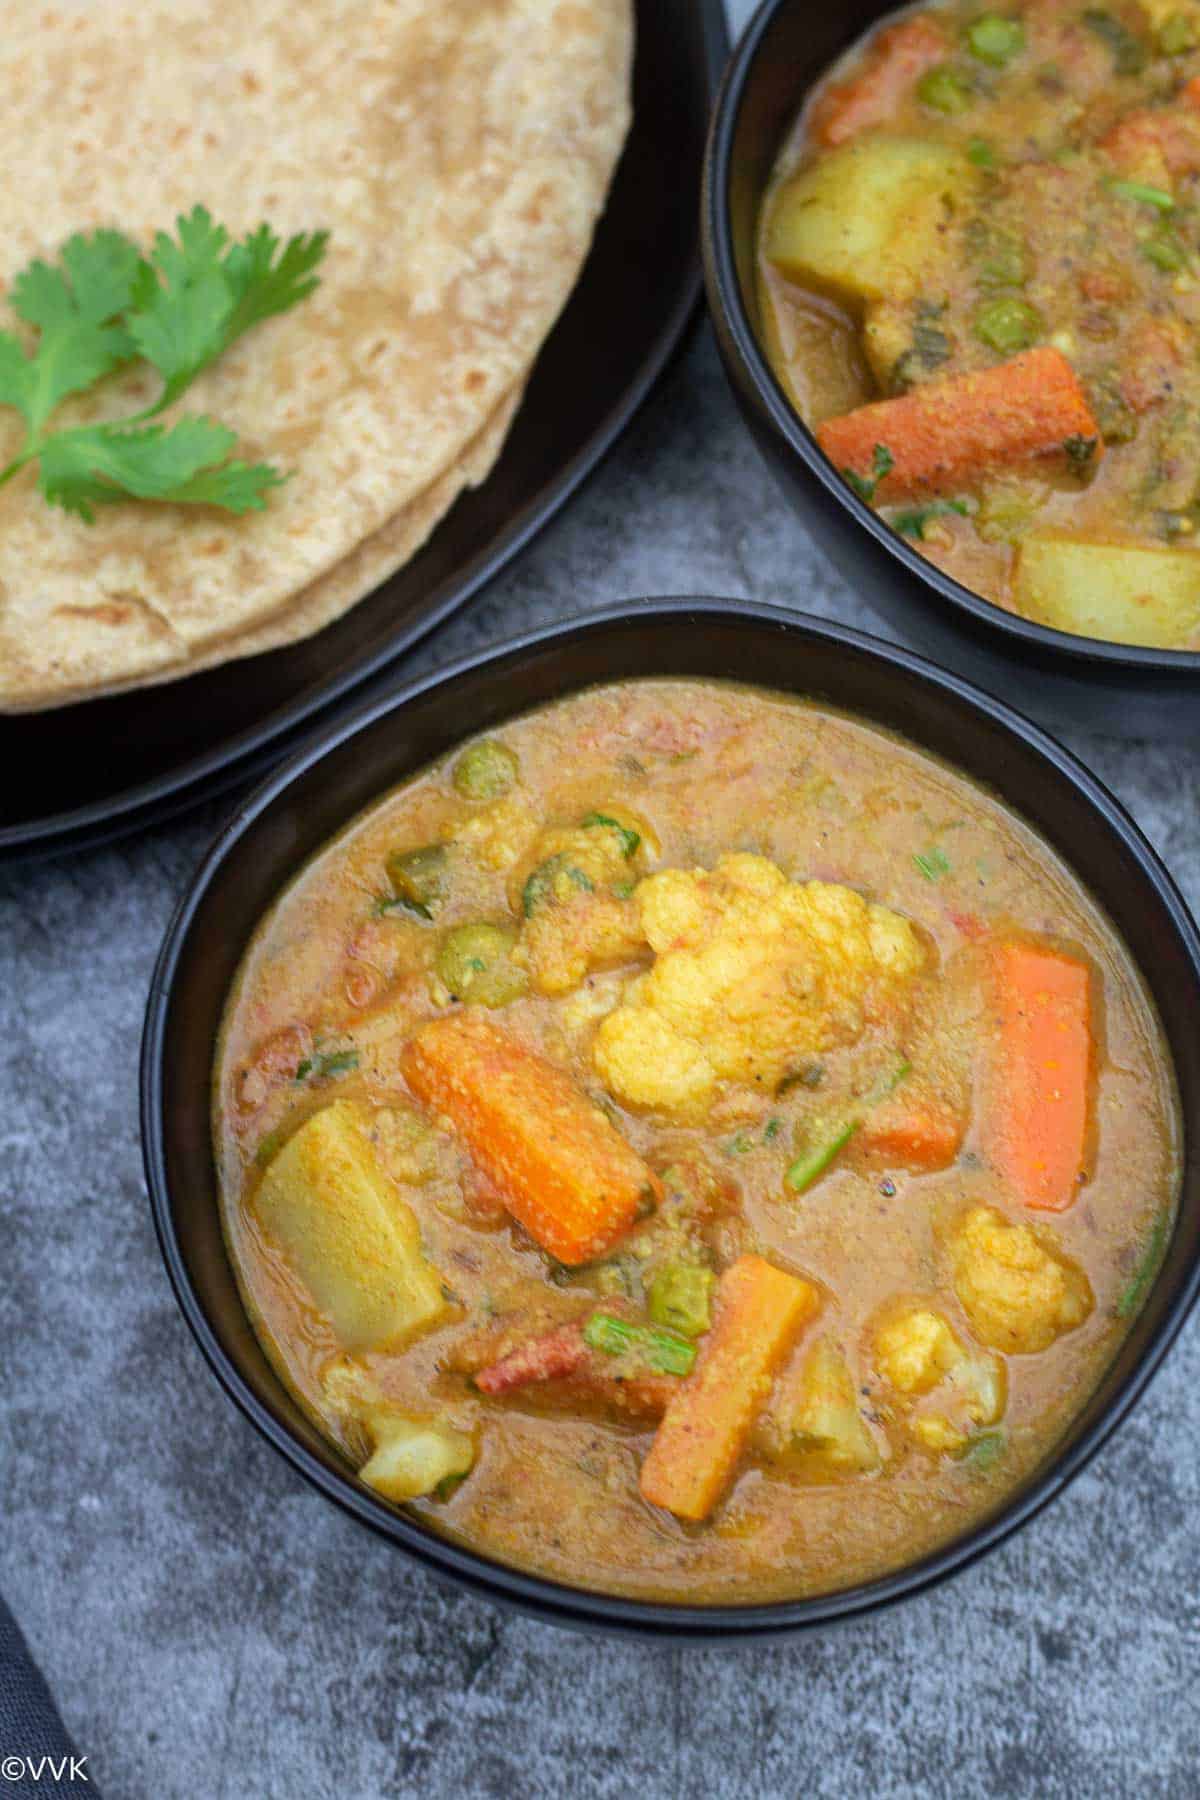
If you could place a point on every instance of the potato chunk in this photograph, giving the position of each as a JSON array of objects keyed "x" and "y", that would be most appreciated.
[
  {"x": 355, "y": 1245},
  {"x": 1018, "y": 1290},
  {"x": 814, "y": 1427},
  {"x": 413, "y": 1456},
  {"x": 1121, "y": 592},
  {"x": 864, "y": 221}
]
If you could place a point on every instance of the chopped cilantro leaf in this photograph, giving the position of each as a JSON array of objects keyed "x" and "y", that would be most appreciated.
[
  {"x": 932, "y": 863},
  {"x": 912, "y": 521},
  {"x": 882, "y": 464}
]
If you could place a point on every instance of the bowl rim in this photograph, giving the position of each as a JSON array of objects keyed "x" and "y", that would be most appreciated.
[
  {"x": 556, "y": 1601},
  {"x": 725, "y": 299}
]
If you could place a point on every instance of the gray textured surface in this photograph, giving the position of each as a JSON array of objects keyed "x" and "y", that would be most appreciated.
[{"x": 212, "y": 1628}]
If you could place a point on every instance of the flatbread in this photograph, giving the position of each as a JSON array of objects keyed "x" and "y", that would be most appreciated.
[
  {"x": 459, "y": 153},
  {"x": 370, "y": 565}
]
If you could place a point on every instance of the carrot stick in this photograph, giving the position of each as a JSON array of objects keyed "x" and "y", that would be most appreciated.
[
  {"x": 560, "y": 1167},
  {"x": 945, "y": 434},
  {"x": 1036, "y": 1106},
  {"x": 760, "y": 1312},
  {"x": 921, "y": 1134},
  {"x": 897, "y": 58}
]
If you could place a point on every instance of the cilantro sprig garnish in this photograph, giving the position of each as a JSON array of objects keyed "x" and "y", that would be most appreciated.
[{"x": 104, "y": 305}]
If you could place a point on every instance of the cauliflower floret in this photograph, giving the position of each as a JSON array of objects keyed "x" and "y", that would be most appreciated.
[
  {"x": 590, "y": 1003},
  {"x": 639, "y": 1056},
  {"x": 915, "y": 1349},
  {"x": 752, "y": 972},
  {"x": 918, "y": 1352},
  {"x": 575, "y": 891},
  {"x": 1017, "y": 1289}
]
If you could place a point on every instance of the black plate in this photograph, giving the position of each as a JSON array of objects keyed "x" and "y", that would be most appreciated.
[
  {"x": 354, "y": 761},
  {"x": 103, "y": 767},
  {"x": 1123, "y": 690}
]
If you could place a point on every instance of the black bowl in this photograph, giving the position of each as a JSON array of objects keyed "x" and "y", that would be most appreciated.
[
  {"x": 1119, "y": 689},
  {"x": 314, "y": 795}
]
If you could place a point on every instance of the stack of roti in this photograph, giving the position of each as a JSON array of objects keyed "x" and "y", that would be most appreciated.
[{"x": 457, "y": 151}]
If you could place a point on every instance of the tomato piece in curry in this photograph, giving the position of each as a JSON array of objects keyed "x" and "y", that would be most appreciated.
[
  {"x": 693, "y": 1143},
  {"x": 979, "y": 283}
]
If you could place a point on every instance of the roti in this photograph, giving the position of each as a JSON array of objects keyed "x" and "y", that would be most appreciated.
[
  {"x": 372, "y": 563},
  {"x": 458, "y": 152}
]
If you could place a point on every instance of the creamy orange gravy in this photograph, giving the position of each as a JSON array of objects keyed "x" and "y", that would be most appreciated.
[{"x": 711, "y": 768}]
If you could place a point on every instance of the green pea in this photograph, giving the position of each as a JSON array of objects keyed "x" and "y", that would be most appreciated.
[
  {"x": 995, "y": 40},
  {"x": 1008, "y": 325},
  {"x": 1176, "y": 35},
  {"x": 418, "y": 878},
  {"x": 1007, "y": 264},
  {"x": 679, "y": 1296},
  {"x": 475, "y": 962},
  {"x": 486, "y": 771},
  {"x": 945, "y": 89}
]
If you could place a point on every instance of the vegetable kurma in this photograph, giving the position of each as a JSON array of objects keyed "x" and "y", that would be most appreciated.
[
  {"x": 693, "y": 1144},
  {"x": 979, "y": 268}
]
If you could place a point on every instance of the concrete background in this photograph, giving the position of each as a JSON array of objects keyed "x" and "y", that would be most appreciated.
[{"x": 211, "y": 1628}]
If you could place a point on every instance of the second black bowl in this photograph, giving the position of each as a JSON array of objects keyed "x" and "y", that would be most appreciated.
[
  {"x": 1114, "y": 688},
  {"x": 357, "y": 761}
]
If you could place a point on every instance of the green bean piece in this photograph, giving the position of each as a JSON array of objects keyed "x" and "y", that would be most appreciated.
[
  {"x": 813, "y": 1162},
  {"x": 661, "y": 1351},
  {"x": 326, "y": 1065},
  {"x": 1008, "y": 325},
  {"x": 679, "y": 1296},
  {"x": 418, "y": 878},
  {"x": 994, "y": 39},
  {"x": 1177, "y": 35},
  {"x": 1165, "y": 251},
  {"x": 475, "y": 963},
  {"x": 816, "y": 1159},
  {"x": 1143, "y": 195},
  {"x": 486, "y": 771},
  {"x": 945, "y": 89}
]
